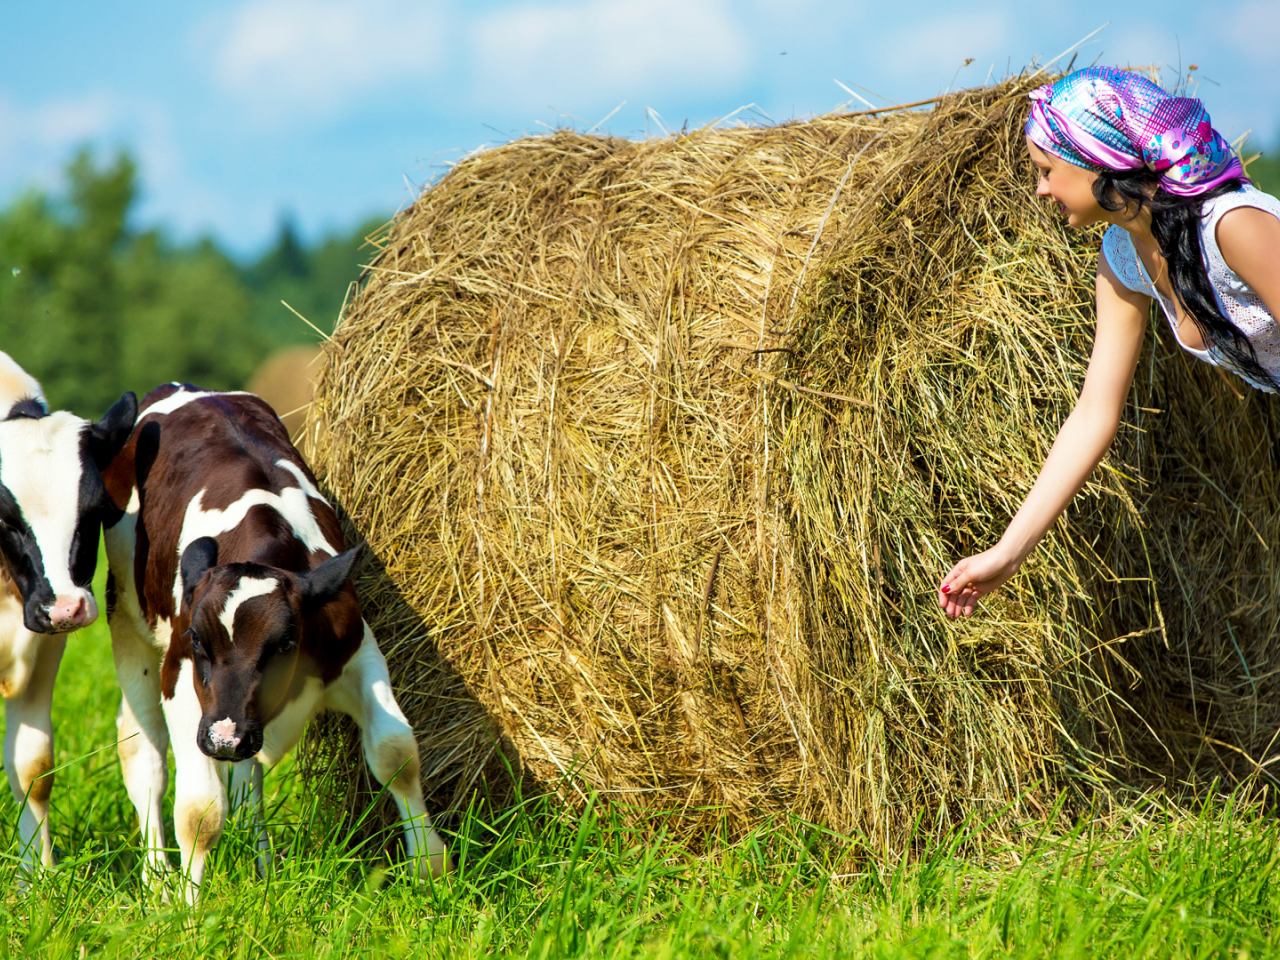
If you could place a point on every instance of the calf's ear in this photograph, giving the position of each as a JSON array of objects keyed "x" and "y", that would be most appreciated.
[
  {"x": 109, "y": 435},
  {"x": 325, "y": 582},
  {"x": 200, "y": 556}
]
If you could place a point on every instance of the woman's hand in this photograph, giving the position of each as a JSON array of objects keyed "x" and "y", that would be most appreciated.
[
  {"x": 975, "y": 577},
  {"x": 1083, "y": 439}
]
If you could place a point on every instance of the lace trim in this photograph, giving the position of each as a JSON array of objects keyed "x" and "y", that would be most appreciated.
[{"x": 1124, "y": 263}]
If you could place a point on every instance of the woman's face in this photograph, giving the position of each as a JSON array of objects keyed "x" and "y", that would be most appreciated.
[{"x": 1069, "y": 186}]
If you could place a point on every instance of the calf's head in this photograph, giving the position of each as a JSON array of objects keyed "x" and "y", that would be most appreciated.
[
  {"x": 246, "y": 625},
  {"x": 52, "y": 505}
]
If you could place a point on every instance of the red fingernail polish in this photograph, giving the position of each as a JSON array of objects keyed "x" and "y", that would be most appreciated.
[{"x": 946, "y": 588}]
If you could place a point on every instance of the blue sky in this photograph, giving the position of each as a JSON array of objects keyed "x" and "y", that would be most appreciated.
[{"x": 239, "y": 110}]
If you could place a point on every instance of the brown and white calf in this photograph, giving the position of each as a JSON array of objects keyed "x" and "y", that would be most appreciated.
[
  {"x": 233, "y": 621},
  {"x": 52, "y": 505}
]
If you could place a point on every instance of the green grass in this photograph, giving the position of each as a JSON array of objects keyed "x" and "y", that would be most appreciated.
[{"x": 539, "y": 884}]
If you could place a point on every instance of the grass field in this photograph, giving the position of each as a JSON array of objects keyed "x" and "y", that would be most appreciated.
[{"x": 541, "y": 885}]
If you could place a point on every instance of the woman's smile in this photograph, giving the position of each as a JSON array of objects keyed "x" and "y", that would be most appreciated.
[{"x": 1068, "y": 186}]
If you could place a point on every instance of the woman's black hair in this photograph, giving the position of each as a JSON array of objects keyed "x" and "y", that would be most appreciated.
[{"x": 1175, "y": 223}]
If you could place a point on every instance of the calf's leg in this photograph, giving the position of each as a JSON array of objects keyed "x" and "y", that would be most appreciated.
[
  {"x": 244, "y": 796},
  {"x": 28, "y": 751},
  {"x": 363, "y": 691},
  {"x": 200, "y": 798},
  {"x": 142, "y": 739}
]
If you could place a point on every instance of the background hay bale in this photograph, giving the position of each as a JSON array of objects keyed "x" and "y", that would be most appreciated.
[
  {"x": 663, "y": 446},
  {"x": 286, "y": 380}
]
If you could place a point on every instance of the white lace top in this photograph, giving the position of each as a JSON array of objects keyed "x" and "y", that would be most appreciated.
[{"x": 1237, "y": 300}]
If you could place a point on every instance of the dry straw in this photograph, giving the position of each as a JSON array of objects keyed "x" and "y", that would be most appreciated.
[{"x": 662, "y": 448}]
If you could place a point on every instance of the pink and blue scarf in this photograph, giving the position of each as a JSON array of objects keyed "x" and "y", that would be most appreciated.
[{"x": 1113, "y": 119}]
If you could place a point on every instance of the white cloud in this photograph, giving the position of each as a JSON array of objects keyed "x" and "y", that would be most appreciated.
[
  {"x": 281, "y": 56},
  {"x": 39, "y": 138},
  {"x": 939, "y": 45},
  {"x": 54, "y": 124},
  {"x": 799, "y": 11},
  {"x": 584, "y": 53},
  {"x": 1253, "y": 28}
]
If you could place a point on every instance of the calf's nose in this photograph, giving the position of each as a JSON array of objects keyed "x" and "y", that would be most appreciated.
[
  {"x": 222, "y": 734},
  {"x": 72, "y": 611}
]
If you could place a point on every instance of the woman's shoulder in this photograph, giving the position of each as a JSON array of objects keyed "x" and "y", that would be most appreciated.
[
  {"x": 1122, "y": 258},
  {"x": 1243, "y": 218},
  {"x": 1247, "y": 196},
  {"x": 1244, "y": 247}
]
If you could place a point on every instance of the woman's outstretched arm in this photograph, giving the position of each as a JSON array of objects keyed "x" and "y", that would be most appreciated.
[{"x": 1082, "y": 440}]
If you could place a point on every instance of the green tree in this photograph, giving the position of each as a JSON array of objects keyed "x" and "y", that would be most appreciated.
[
  {"x": 1265, "y": 171},
  {"x": 92, "y": 308},
  {"x": 59, "y": 300},
  {"x": 190, "y": 319},
  {"x": 313, "y": 281}
]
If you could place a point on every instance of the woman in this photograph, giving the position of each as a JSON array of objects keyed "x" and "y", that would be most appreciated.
[{"x": 1187, "y": 229}]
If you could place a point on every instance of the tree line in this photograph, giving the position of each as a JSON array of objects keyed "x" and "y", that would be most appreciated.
[
  {"x": 92, "y": 306},
  {"x": 1265, "y": 171}
]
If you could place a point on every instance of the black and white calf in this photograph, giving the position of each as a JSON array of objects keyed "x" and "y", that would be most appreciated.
[
  {"x": 52, "y": 504},
  {"x": 234, "y": 622}
]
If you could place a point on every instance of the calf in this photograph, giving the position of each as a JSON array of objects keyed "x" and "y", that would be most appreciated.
[
  {"x": 52, "y": 504},
  {"x": 234, "y": 621}
]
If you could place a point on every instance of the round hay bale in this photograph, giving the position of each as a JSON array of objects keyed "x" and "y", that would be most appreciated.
[
  {"x": 663, "y": 446},
  {"x": 286, "y": 380}
]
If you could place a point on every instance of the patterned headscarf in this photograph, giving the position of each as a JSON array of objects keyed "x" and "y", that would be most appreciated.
[{"x": 1114, "y": 119}]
